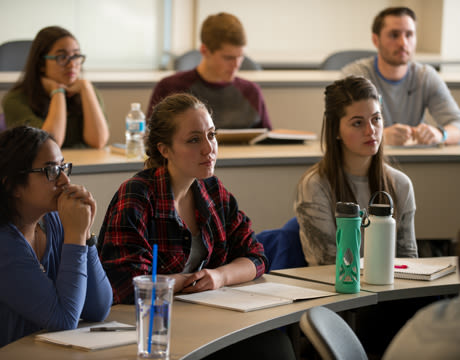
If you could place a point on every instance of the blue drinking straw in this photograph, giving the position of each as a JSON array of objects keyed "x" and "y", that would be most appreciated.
[{"x": 152, "y": 304}]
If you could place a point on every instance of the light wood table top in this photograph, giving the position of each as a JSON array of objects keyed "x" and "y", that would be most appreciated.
[
  {"x": 400, "y": 289},
  {"x": 276, "y": 77},
  {"x": 197, "y": 330},
  {"x": 103, "y": 160}
]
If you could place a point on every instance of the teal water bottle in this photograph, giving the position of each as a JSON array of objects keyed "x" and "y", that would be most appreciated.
[{"x": 348, "y": 240}]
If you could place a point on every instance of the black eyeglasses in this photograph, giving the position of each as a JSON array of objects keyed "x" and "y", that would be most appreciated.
[
  {"x": 63, "y": 60},
  {"x": 52, "y": 172}
]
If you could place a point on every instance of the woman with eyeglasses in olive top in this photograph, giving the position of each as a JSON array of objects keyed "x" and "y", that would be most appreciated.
[
  {"x": 50, "y": 95},
  {"x": 50, "y": 271}
]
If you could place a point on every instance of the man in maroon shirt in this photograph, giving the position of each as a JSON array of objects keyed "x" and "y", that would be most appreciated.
[{"x": 235, "y": 103}]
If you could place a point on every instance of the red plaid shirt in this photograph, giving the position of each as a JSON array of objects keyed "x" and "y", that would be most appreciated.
[{"x": 142, "y": 213}]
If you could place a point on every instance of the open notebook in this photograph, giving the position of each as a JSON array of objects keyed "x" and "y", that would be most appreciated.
[
  {"x": 253, "y": 297},
  {"x": 84, "y": 339}
]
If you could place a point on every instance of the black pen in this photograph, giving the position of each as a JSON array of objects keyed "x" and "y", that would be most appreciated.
[
  {"x": 199, "y": 268},
  {"x": 112, "y": 328}
]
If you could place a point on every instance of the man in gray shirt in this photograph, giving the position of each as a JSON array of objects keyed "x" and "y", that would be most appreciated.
[{"x": 407, "y": 87}]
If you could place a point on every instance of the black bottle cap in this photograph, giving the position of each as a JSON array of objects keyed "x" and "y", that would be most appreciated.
[
  {"x": 346, "y": 209},
  {"x": 380, "y": 210}
]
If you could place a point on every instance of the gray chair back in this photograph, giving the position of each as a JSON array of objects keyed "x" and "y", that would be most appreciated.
[
  {"x": 2, "y": 122},
  {"x": 13, "y": 55},
  {"x": 330, "y": 335},
  {"x": 338, "y": 60},
  {"x": 192, "y": 58}
]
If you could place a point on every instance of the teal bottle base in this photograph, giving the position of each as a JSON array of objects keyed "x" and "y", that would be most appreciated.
[{"x": 347, "y": 288}]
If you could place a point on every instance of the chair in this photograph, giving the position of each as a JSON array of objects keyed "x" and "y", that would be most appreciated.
[
  {"x": 330, "y": 335},
  {"x": 338, "y": 60},
  {"x": 192, "y": 58},
  {"x": 13, "y": 55},
  {"x": 282, "y": 246},
  {"x": 2, "y": 122}
]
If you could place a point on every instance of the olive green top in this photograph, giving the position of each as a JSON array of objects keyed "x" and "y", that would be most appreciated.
[{"x": 18, "y": 112}]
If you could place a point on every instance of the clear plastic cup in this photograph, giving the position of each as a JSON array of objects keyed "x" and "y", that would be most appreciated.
[{"x": 161, "y": 326}]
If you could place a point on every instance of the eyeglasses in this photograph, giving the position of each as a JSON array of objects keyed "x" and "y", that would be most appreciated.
[
  {"x": 63, "y": 60},
  {"x": 52, "y": 172}
]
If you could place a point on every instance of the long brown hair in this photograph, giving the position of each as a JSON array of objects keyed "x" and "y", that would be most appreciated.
[
  {"x": 162, "y": 125},
  {"x": 30, "y": 82},
  {"x": 338, "y": 96}
]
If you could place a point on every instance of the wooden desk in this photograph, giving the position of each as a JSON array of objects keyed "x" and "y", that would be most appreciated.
[
  {"x": 401, "y": 289},
  {"x": 197, "y": 330},
  {"x": 264, "y": 179}
]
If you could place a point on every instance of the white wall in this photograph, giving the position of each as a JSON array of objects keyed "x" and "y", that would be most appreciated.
[
  {"x": 114, "y": 34},
  {"x": 313, "y": 29},
  {"x": 120, "y": 34},
  {"x": 450, "y": 45},
  {"x": 299, "y": 25}
]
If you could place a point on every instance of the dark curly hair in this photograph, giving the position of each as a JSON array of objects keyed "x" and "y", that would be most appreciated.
[{"x": 18, "y": 148}]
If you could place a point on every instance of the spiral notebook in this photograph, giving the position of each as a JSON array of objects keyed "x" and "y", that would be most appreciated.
[{"x": 423, "y": 269}]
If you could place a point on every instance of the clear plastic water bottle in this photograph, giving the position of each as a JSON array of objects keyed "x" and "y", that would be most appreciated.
[
  {"x": 380, "y": 243},
  {"x": 135, "y": 130},
  {"x": 348, "y": 241}
]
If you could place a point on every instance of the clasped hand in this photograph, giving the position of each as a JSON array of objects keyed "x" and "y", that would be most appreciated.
[
  {"x": 77, "y": 209},
  {"x": 71, "y": 89},
  {"x": 400, "y": 134}
]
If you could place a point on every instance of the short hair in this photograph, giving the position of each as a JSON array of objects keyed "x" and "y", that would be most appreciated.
[
  {"x": 19, "y": 147},
  {"x": 377, "y": 25},
  {"x": 222, "y": 28},
  {"x": 162, "y": 124}
]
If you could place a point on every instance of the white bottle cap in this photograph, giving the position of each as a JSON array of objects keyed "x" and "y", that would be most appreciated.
[{"x": 135, "y": 106}]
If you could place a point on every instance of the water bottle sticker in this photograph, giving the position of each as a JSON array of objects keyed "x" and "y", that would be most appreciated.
[{"x": 135, "y": 126}]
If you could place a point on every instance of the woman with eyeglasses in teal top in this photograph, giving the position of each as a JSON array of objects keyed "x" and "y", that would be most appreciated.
[
  {"x": 50, "y": 271},
  {"x": 51, "y": 95}
]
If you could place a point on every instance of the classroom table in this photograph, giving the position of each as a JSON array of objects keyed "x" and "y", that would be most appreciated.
[
  {"x": 198, "y": 330},
  {"x": 263, "y": 179},
  {"x": 400, "y": 289},
  {"x": 219, "y": 327}
]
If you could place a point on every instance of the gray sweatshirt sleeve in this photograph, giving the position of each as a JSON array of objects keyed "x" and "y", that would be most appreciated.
[
  {"x": 314, "y": 211},
  {"x": 440, "y": 102},
  {"x": 406, "y": 245}
]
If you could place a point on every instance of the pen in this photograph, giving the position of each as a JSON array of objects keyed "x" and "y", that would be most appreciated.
[
  {"x": 112, "y": 328},
  {"x": 401, "y": 266},
  {"x": 199, "y": 268}
]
